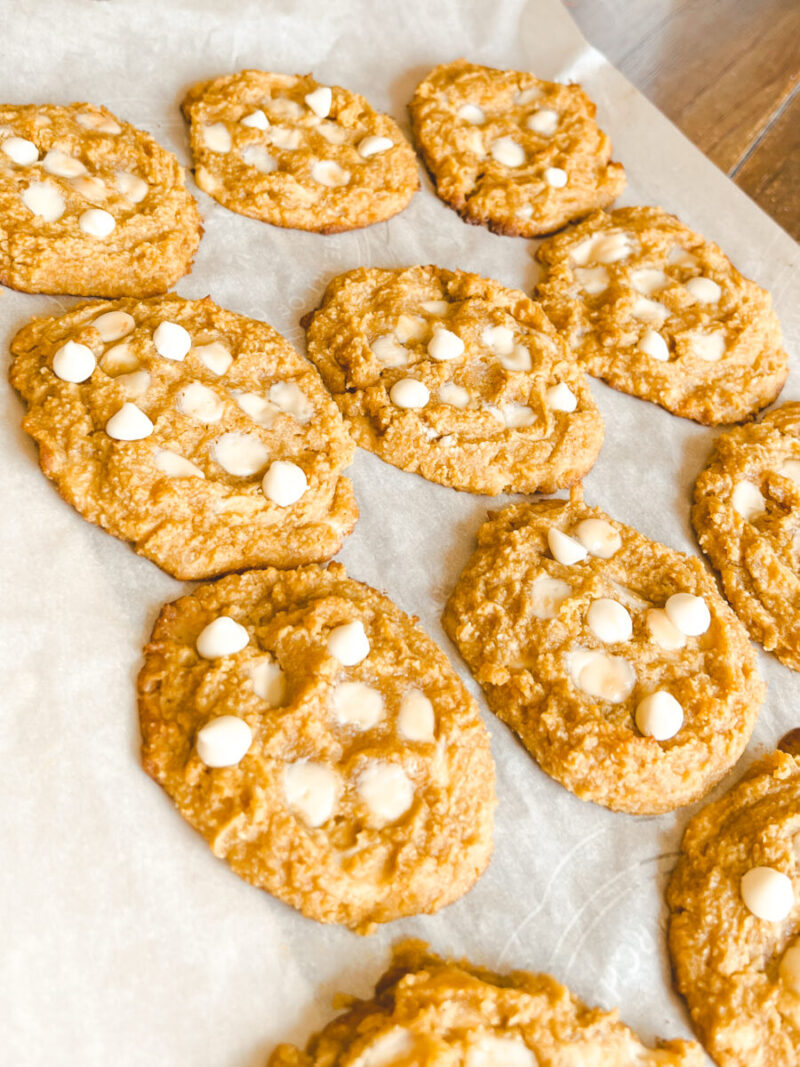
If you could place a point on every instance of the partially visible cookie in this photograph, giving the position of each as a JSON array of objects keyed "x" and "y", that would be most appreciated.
[
  {"x": 321, "y": 743},
  {"x": 90, "y": 205},
  {"x": 287, "y": 150},
  {"x": 612, "y": 657},
  {"x": 199, "y": 435},
  {"x": 734, "y": 928},
  {"x": 455, "y": 377},
  {"x": 510, "y": 151},
  {"x": 657, "y": 311},
  {"x": 428, "y": 1011},
  {"x": 747, "y": 517}
]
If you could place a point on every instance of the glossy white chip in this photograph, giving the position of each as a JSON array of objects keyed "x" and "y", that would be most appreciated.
[
  {"x": 454, "y": 395},
  {"x": 44, "y": 200},
  {"x": 598, "y": 537},
  {"x": 223, "y": 742},
  {"x": 547, "y": 595},
  {"x": 653, "y": 344},
  {"x": 665, "y": 634},
  {"x": 609, "y": 621},
  {"x": 747, "y": 500},
  {"x": 62, "y": 164},
  {"x": 285, "y": 108},
  {"x": 389, "y": 351},
  {"x": 410, "y": 328},
  {"x": 101, "y": 123},
  {"x": 648, "y": 280},
  {"x": 333, "y": 132},
  {"x": 172, "y": 341},
  {"x": 767, "y": 893},
  {"x": 93, "y": 188},
  {"x": 601, "y": 675},
  {"x": 386, "y": 790},
  {"x": 592, "y": 280},
  {"x": 493, "y": 1051},
  {"x": 222, "y": 637},
  {"x": 679, "y": 257},
  {"x": 328, "y": 172},
  {"x": 121, "y": 359},
  {"x": 445, "y": 345},
  {"x": 320, "y": 101},
  {"x": 659, "y": 715},
  {"x": 256, "y": 155},
  {"x": 472, "y": 113},
  {"x": 555, "y": 177},
  {"x": 286, "y": 138},
  {"x": 256, "y": 120},
  {"x": 349, "y": 643},
  {"x": 357, "y": 704},
  {"x": 436, "y": 307},
  {"x": 500, "y": 339},
  {"x": 291, "y": 400},
  {"x": 20, "y": 150},
  {"x": 129, "y": 424},
  {"x": 113, "y": 325},
  {"x": 284, "y": 483},
  {"x": 240, "y": 454},
  {"x": 515, "y": 415},
  {"x": 506, "y": 151},
  {"x": 518, "y": 359},
  {"x": 527, "y": 96},
  {"x": 602, "y": 248},
  {"x": 215, "y": 356},
  {"x": 135, "y": 384},
  {"x": 416, "y": 719},
  {"x": 311, "y": 789},
  {"x": 688, "y": 613},
  {"x": 176, "y": 466},
  {"x": 789, "y": 969},
  {"x": 704, "y": 290},
  {"x": 74, "y": 362},
  {"x": 96, "y": 222},
  {"x": 565, "y": 549},
  {"x": 707, "y": 346},
  {"x": 268, "y": 680},
  {"x": 649, "y": 311},
  {"x": 561, "y": 398},
  {"x": 387, "y": 1050},
  {"x": 216, "y": 137},
  {"x": 374, "y": 146},
  {"x": 790, "y": 468},
  {"x": 199, "y": 402},
  {"x": 409, "y": 393},
  {"x": 544, "y": 121}
]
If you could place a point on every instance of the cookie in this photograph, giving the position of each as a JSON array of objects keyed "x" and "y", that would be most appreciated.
[
  {"x": 747, "y": 518},
  {"x": 456, "y": 378},
  {"x": 321, "y": 743},
  {"x": 295, "y": 153},
  {"x": 657, "y": 311},
  {"x": 734, "y": 928},
  {"x": 510, "y": 151},
  {"x": 427, "y": 1010},
  {"x": 612, "y": 657},
  {"x": 89, "y": 205},
  {"x": 198, "y": 435}
]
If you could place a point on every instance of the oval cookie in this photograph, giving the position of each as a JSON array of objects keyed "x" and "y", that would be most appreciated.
[
  {"x": 456, "y": 378},
  {"x": 199, "y": 435},
  {"x": 427, "y": 1010},
  {"x": 363, "y": 757},
  {"x": 510, "y": 151},
  {"x": 734, "y": 928},
  {"x": 657, "y": 311},
  {"x": 90, "y": 205},
  {"x": 612, "y": 657},
  {"x": 295, "y": 153},
  {"x": 747, "y": 517}
]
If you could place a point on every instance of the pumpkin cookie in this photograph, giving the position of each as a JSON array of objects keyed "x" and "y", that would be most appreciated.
[
  {"x": 510, "y": 151},
  {"x": 734, "y": 930},
  {"x": 199, "y": 435},
  {"x": 456, "y": 378},
  {"x": 321, "y": 743},
  {"x": 657, "y": 311},
  {"x": 747, "y": 518},
  {"x": 623, "y": 671},
  {"x": 89, "y": 205},
  {"x": 295, "y": 153},
  {"x": 430, "y": 1011}
]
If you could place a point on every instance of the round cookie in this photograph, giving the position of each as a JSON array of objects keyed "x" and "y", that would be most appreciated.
[
  {"x": 734, "y": 928},
  {"x": 657, "y": 311},
  {"x": 612, "y": 657},
  {"x": 199, "y": 435},
  {"x": 90, "y": 205},
  {"x": 351, "y": 776},
  {"x": 510, "y": 151},
  {"x": 430, "y": 1011},
  {"x": 747, "y": 518},
  {"x": 287, "y": 150},
  {"x": 454, "y": 377}
]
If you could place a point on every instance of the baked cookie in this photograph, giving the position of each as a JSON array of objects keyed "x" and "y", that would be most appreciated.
[
  {"x": 199, "y": 435},
  {"x": 295, "y": 153},
  {"x": 429, "y": 1011},
  {"x": 321, "y": 743},
  {"x": 657, "y": 311},
  {"x": 747, "y": 517},
  {"x": 734, "y": 929},
  {"x": 614, "y": 658},
  {"x": 89, "y": 205},
  {"x": 456, "y": 378},
  {"x": 510, "y": 151}
]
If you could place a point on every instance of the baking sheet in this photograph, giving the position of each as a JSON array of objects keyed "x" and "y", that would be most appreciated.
[{"x": 122, "y": 936}]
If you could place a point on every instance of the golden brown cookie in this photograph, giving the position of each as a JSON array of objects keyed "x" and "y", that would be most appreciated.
[
  {"x": 287, "y": 150},
  {"x": 734, "y": 930},
  {"x": 431, "y": 1012},
  {"x": 321, "y": 743},
  {"x": 657, "y": 311},
  {"x": 456, "y": 378},
  {"x": 199, "y": 435},
  {"x": 89, "y": 205},
  {"x": 747, "y": 518},
  {"x": 614, "y": 658},
  {"x": 510, "y": 151}
]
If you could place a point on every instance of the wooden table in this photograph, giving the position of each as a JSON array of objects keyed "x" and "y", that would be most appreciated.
[{"x": 727, "y": 72}]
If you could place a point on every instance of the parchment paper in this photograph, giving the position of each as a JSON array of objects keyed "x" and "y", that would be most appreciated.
[{"x": 123, "y": 939}]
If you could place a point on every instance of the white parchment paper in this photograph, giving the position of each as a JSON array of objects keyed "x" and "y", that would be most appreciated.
[{"x": 122, "y": 939}]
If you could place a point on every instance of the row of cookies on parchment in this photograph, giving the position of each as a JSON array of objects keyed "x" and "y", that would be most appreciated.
[{"x": 191, "y": 401}]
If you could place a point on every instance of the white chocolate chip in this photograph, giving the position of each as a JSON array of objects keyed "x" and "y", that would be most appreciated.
[
  {"x": 472, "y": 113},
  {"x": 663, "y": 632},
  {"x": 91, "y": 120},
  {"x": 454, "y": 395},
  {"x": 592, "y": 280},
  {"x": 789, "y": 969},
  {"x": 527, "y": 96},
  {"x": 172, "y": 341},
  {"x": 258, "y": 408},
  {"x": 62, "y": 165},
  {"x": 649, "y": 311},
  {"x": 113, "y": 325},
  {"x": 268, "y": 681},
  {"x": 704, "y": 290},
  {"x": 706, "y": 346},
  {"x": 790, "y": 468},
  {"x": 176, "y": 466},
  {"x": 416, "y": 720},
  {"x": 506, "y": 151},
  {"x": 312, "y": 790},
  {"x": 286, "y": 138},
  {"x": 436, "y": 307},
  {"x": 500, "y": 339},
  {"x": 20, "y": 151},
  {"x": 598, "y": 537},
  {"x": 555, "y": 177},
  {"x": 199, "y": 402},
  {"x": 493, "y": 1051},
  {"x": 284, "y": 483},
  {"x": 240, "y": 454},
  {"x": 516, "y": 415},
  {"x": 561, "y": 398},
  {"x": 119, "y": 360},
  {"x": 357, "y": 704},
  {"x": 679, "y": 257},
  {"x": 564, "y": 548},
  {"x": 320, "y": 101},
  {"x": 333, "y": 133},
  {"x": 648, "y": 280},
  {"x": 387, "y": 1050},
  {"x": 374, "y": 146},
  {"x": 547, "y": 596},
  {"x": 285, "y": 108},
  {"x": 386, "y": 790},
  {"x": 688, "y": 613},
  {"x": 215, "y": 356},
  {"x": 256, "y": 155},
  {"x": 659, "y": 716},
  {"x": 93, "y": 189},
  {"x": 653, "y": 344},
  {"x": 256, "y": 120},
  {"x": 96, "y": 222},
  {"x": 445, "y": 345},
  {"x": 389, "y": 351},
  {"x": 129, "y": 424},
  {"x": 291, "y": 400},
  {"x": 410, "y": 328},
  {"x": 609, "y": 621},
  {"x": 44, "y": 200},
  {"x": 767, "y": 893},
  {"x": 349, "y": 643},
  {"x": 602, "y": 248},
  {"x": 223, "y": 742},
  {"x": 135, "y": 384},
  {"x": 216, "y": 137},
  {"x": 518, "y": 359},
  {"x": 544, "y": 121},
  {"x": 747, "y": 500},
  {"x": 601, "y": 675},
  {"x": 222, "y": 637},
  {"x": 328, "y": 172},
  {"x": 74, "y": 362},
  {"x": 525, "y": 211},
  {"x": 409, "y": 393}
]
